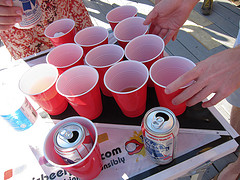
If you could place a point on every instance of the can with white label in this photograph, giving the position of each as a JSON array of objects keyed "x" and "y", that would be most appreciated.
[
  {"x": 32, "y": 13},
  {"x": 160, "y": 128}
]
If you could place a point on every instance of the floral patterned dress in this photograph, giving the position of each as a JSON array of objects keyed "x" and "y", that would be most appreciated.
[{"x": 24, "y": 42}]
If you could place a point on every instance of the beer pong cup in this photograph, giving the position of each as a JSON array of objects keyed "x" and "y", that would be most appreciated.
[
  {"x": 127, "y": 80},
  {"x": 65, "y": 56},
  {"x": 39, "y": 83},
  {"x": 103, "y": 57},
  {"x": 80, "y": 86},
  {"x": 91, "y": 37},
  {"x": 163, "y": 72},
  {"x": 120, "y": 13},
  {"x": 61, "y": 31},
  {"x": 87, "y": 168},
  {"x": 128, "y": 29},
  {"x": 146, "y": 49}
]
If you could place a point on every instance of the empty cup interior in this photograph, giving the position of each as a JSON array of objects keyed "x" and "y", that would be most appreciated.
[
  {"x": 38, "y": 79},
  {"x": 168, "y": 69},
  {"x": 126, "y": 74},
  {"x": 104, "y": 55},
  {"x": 59, "y": 26},
  {"x": 91, "y": 36},
  {"x": 77, "y": 81},
  {"x": 130, "y": 28},
  {"x": 144, "y": 48},
  {"x": 120, "y": 13},
  {"x": 65, "y": 55}
]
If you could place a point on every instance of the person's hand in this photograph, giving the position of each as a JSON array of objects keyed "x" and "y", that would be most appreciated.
[
  {"x": 9, "y": 14},
  {"x": 219, "y": 74},
  {"x": 168, "y": 16}
]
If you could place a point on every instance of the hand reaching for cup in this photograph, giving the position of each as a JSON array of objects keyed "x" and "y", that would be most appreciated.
[
  {"x": 218, "y": 74},
  {"x": 9, "y": 14},
  {"x": 168, "y": 16}
]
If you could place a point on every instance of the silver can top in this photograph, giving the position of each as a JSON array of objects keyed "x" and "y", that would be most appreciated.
[
  {"x": 69, "y": 135},
  {"x": 159, "y": 120}
]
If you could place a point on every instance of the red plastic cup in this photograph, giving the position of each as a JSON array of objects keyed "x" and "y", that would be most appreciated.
[
  {"x": 120, "y": 13},
  {"x": 80, "y": 86},
  {"x": 128, "y": 29},
  {"x": 39, "y": 83},
  {"x": 146, "y": 49},
  {"x": 127, "y": 80},
  {"x": 87, "y": 168},
  {"x": 163, "y": 72},
  {"x": 61, "y": 31},
  {"x": 65, "y": 56},
  {"x": 91, "y": 37},
  {"x": 102, "y": 58}
]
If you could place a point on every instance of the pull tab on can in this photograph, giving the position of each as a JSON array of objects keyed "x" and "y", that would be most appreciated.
[
  {"x": 69, "y": 135},
  {"x": 65, "y": 135},
  {"x": 157, "y": 122}
]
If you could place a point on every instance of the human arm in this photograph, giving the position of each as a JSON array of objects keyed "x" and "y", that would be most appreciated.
[
  {"x": 168, "y": 16},
  {"x": 9, "y": 14},
  {"x": 219, "y": 74}
]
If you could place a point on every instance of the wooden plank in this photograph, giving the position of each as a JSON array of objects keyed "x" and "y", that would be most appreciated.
[
  {"x": 210, "y": 172},
  {"x": 229, "y": 5},
  {"x": 93, "y": 9},
  {"x": 168, "y": 51},
  {"x": 146, "y": 2},
  {"x": 199, "y": 19},
  {"x": 104, "y": 7},
  {"x": 223, "y": 24},
  {"x": 226, "y": 13},
  {"x": 200, "y": 34},
  {"x": 220, "y": 36},
  {"x": 177, "y": 49},
  {"x": 195, "y": 47},
  {"x": 97, "y": 11},
  {"x": 223, "y": 162},
  {"x": 184, "y": 178}
]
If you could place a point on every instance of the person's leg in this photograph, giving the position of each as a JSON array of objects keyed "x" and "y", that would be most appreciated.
[
  {"x": 232, "y": 171},
  {"x": 207, "y": 7}
]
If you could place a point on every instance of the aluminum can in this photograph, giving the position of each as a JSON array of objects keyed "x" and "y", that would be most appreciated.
[
  {"x": 160, "y": 129},
  {"x": 32, "y": 13},
  {"x": 72, "y": 142},
  {"x": 18, "y": 112}
]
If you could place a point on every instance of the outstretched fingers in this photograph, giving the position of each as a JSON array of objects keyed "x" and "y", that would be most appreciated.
[
  {"x": 150, "y": 17},
  {"x": 170, "y": 34},
  {"x": 181, "y": 81}
]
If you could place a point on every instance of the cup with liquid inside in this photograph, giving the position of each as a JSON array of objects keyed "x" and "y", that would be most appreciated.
[
  {"x": 127, "y": 80},
  {"x": 39, "y": 83}
]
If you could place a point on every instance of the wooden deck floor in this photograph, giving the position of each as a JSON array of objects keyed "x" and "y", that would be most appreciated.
[{"x": 200, "y": 37}]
